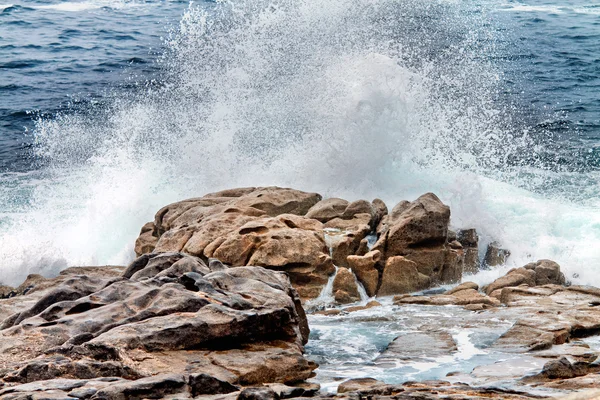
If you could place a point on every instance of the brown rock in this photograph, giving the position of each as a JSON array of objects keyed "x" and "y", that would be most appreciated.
[
  {"x": 401, "y": 276},
  {"x": 328, "y": 209},
  {"x": 514, "y": 277},
  {"x": 178, "y": 321},
  {"x": 495, "y": 255},
  {"x": 423, "y": 222},
  {"x": 371, "y": 304},
  {"x": 463, "y": 286},
  {"x": 289, "y": 243},
  {"x": 192, "y": 225},
  {"x": 469, "y": 240},
  {"x": 418, "y": 346},
  {"x": 147, "y": 240},
  {"x": 364, "y": 267},
  {"x": 346, "y": 282},
  {"x": 546, "y": 272},
  {"x": 353, "y": 385}
]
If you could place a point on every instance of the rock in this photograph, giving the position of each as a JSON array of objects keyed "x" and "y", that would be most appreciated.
[
  {"x": 401, "y": 276},
  {"x": 380, "y": 211},
  {"x": 422, "y": 223},
  {"x": 147, "y": 240},
  {"x": 303, "y": 389},
  {"x": 417, "y": 347},
  {"x": 463, "y": 286},
  {"x": 363, "y": 385},
  {"x": 364, "y": 267},
  {"x": 258, "y": 393},
  {"x": 154, "y": 387},
  {"x": 202, "y": 384},
  {"x": 288, "y": 242},
  {"x": 7, "y": 292},
  {"x": 514, "y": 277},
  {"x": 192, "y": 225},
  {"x": 191, "y": 329},
  {"x": 345, "y": 281},
  {"x": 546, "y": 272},
  {"x": 371, "y": 304},
  {"x": 495, "y": 255},
  {"x": 469, "y": 240},
  {"x": 328, "y": 209}
]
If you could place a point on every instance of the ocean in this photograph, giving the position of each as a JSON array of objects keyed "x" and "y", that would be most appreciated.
[{"x": 111, "y": 109}]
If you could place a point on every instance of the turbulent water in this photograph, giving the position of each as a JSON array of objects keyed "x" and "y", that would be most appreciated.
[{"x": 111, "y": 109}]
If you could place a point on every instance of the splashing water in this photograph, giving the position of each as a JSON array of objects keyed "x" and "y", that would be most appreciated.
[{"x": 348, "y": 98}]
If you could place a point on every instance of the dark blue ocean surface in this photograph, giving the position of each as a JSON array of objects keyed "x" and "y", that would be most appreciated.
[{"x": 63, "y": 55}]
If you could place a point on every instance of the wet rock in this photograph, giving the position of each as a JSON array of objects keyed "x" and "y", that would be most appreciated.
[
  {"x": 418, "y": 346},
  {"x": 147, "y": 240},
  {"x": 463, "y": 286},
  {"x": 495, "y": 255},
  {"x": 368, "y": 387},
  {"x": 401, "y": 276},
  {"x": 232, "y": 326},
  {"x": 469, "y": 240},
  {"x": 364, "y": 267},
  {"x": 371, "y": 304},
  {"x": 514, "y": 277},
  {"x": 303, "y": 389},
  {"x": 344, "y": 281},
  {"x": 258, "y": 393},
  {"x": 546, "y": 272},
  {"x": 290, "y": 243},
  {"x": 202, "y": 384},
  {"x": 421, "y": 223}
]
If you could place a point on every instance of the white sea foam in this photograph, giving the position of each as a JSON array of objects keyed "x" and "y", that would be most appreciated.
[{"x": 337, "y": 97}]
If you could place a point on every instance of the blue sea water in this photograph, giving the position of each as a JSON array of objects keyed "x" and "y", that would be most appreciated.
[{"x": 109, "y": 109}]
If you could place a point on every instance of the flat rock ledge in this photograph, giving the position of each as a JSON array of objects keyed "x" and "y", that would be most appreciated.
[{"x": 169, "y": 325}]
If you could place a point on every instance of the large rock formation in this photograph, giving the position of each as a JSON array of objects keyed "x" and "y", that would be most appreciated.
[
  {"x": 305, "y": 236},
  {"x": 168, "y": 324},
  {"x": 418, "y": 231}
]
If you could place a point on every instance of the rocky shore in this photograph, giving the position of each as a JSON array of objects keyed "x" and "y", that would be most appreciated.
[{"x": 215, "y": 306}]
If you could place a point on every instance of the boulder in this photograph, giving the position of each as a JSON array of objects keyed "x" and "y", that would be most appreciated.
[
  {"x": 287, "y": 243},
  {"x": 514, "y": 277},
  {"x": 345, "y": 282},
  {"x": 546, "y": 272},
  {"x": 401, "y": 275},
  {"x": 422, "y": 223},
  {"x": 463, "y": 286},
  {"x": 495, "y": 255},
  {"x": 168, "y": 326},
  {"x": 258, "y": 393},
  {"x": 469, "y": 240},
  {"x": 417, "y": 347},
  {"x": 191, "y": 225},
  {"x": 365, "y": 269}
]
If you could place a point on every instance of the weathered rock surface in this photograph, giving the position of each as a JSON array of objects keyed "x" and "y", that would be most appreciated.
[
  {"x": 402, "y": 275},
  {"x": 469, "y": 241},
  {"x": 365, "y": 269},
  {"x": 305, "y": 236},
  {"x": 418, "y": 231},
  {"x": 167, "y": 325},
  {"x": 495, "y": 255},
  {"x": 344, "y": 287}
]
